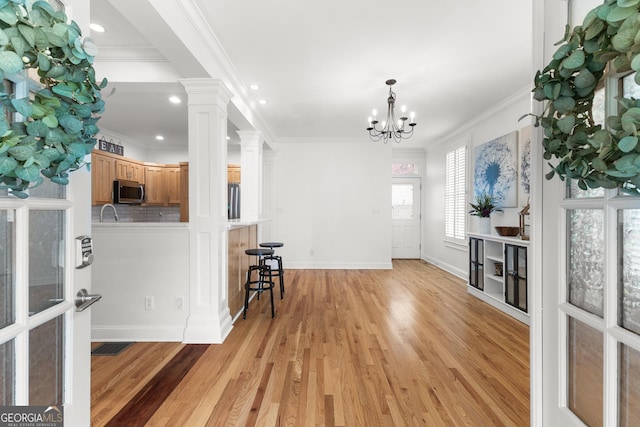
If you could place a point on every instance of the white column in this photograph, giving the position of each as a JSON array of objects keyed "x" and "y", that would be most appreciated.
[
  {"x": 209, "y": 320},
  {"x": 251, "y": 172}
]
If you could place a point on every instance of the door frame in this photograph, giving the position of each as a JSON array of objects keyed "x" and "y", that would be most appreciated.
[{"x": 415, "y": 180}]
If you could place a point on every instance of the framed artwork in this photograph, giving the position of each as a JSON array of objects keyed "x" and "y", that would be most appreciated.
[
  {"x": 496, "y": 170},
  {"x": 524, "y": 165}
]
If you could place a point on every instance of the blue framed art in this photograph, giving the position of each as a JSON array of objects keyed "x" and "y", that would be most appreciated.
[
  {"x": 496, "y": 170},
  {"x": 524, "y": 163}
]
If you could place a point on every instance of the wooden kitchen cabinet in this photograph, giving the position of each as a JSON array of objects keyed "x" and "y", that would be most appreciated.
[
  {"x": 154, "y": 187},
  {"x": 239, "y": 240},
  {"x": 172, "y": 182},
  {"x": 130, "y": 171},
  {"x": 184, "y": 192},
  {"x": 162, "y": 185},
  {"x": 233, "y": 173},
  {"x": 102, "y": 177}
]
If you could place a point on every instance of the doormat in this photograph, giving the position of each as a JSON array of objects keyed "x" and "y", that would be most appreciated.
[{"x": 110, "y": 348}]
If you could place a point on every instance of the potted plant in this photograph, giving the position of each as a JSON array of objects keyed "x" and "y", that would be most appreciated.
[{"x": 484, "y": 205}]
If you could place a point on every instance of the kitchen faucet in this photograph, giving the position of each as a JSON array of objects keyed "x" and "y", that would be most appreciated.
[{"x": 115, "y": 212}]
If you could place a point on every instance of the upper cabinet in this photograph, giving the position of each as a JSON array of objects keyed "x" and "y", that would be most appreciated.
[
  {"x": 172, "y": 180},
  {"x": 162, "y": 182},
  {"x": 233, "y": 173},
  {"x": 162, "y": 185},
  {"x": 102, "y": 176},
  {"x": 130, "y": 171}
]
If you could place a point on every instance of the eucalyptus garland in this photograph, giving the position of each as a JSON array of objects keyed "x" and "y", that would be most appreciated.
[
  {"x": 595, "y": 157},
  {"x": 55, "y": 126}
]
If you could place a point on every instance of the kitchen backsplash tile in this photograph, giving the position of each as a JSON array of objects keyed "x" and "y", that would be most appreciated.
[{"x": 137, "y": 213}]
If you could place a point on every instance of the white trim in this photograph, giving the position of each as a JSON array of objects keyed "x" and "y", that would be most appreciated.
[
  {"x": 331, "y": 265},
  {"x": 463, "y": 274},
  {"x": 137, "y": 333}
]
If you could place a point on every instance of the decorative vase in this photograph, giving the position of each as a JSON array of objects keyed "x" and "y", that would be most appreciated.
[{"x": 484, "y": 225}]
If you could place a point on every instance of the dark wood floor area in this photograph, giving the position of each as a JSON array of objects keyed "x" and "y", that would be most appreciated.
[{"x": 401, "y": 347}]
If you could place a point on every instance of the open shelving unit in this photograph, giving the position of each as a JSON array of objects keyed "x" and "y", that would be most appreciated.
[{"x": 498, "y": 273}]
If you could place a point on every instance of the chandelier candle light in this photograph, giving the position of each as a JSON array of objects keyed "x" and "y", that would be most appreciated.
[{"x": 391, "y": 127}]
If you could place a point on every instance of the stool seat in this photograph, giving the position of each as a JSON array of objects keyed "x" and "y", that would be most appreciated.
[
  {"x": 259, "y": 252},
  {"x": 272, "y": 245}
]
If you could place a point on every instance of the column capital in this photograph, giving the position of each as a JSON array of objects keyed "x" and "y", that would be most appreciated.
[
  {"x": 200, "y": 90},
  {"x": 250, "y": 137}
]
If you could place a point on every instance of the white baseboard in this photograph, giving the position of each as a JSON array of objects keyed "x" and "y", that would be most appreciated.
[
  {"x": 137, "y": 333},
  {"x": 338, "y": 266},
  {"x": 447, "y": 267}
]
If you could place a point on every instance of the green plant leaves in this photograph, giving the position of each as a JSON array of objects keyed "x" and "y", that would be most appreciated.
[
  {"x": 594, "y": 156},
  {"x": 10, "y": 62},
  {"x": 60, "y": 119}
]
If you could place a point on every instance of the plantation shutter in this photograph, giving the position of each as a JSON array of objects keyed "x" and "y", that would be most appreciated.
[{"x": 455, "y": 186}]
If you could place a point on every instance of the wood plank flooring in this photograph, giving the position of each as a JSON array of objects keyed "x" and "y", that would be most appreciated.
[{"x": 401, "y": 347}]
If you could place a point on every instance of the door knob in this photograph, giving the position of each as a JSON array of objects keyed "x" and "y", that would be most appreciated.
[{"x": 84, "y": 299}]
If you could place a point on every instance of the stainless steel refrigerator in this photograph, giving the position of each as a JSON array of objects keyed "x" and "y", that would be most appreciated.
[{"x": 233, "y": 200}]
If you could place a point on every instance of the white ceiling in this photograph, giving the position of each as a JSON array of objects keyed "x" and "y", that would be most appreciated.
[{"x": 322, "y": 66}]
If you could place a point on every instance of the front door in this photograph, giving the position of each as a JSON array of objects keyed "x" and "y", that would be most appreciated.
[
  {"x": 405, "y": 217},
  {"x": 44, "y": 342}
]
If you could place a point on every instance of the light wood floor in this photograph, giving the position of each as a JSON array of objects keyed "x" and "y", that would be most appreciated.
[{"x": 401, "y": 347}]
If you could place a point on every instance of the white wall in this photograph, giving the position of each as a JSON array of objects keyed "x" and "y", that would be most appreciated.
[
  {"x": 495, "y": 122},
  {"x": 137, "y": 151},
  {"x": 130, "y": 264},
  {"x": 333, "y": 204}
]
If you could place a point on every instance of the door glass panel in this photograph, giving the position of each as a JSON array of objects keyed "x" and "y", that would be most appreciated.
[
  {"x": 46, "y": 259},
  {"x": 585, "y": 275},
  {"x": 46, "y": 363},
  {"x": 402, "y": 201},
  {"x": 7, "y": 373},
  {"x": 629, "y": 387},
  {"x": 629, "y": 275},
  {"x": 585, "y": 375},
  {"x": 597, "y": 109},
  {"x": 7, "y": 267},
  {"x": 49, "y": 190},
  {"x": 575, "y": 192}
]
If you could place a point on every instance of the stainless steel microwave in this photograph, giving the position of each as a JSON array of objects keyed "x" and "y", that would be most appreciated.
[{"x": 130, "y": 192}]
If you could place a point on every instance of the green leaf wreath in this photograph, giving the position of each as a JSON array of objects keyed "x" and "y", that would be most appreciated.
[
  {"x": 595, "y": 157},
  {"x": 58, "y": 122}
]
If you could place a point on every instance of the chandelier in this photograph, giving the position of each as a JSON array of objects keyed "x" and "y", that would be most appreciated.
[{"x": 391, "y": 128}]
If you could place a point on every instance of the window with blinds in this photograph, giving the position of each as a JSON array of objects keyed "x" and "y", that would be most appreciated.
[{"x": 454, "y": 195}]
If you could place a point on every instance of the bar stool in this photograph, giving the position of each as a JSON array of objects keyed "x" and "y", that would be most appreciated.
[
  {"x": 275, "y": 264},
  {"x": 257, "y": 276}
]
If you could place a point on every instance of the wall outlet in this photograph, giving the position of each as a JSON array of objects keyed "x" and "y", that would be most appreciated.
[
  {"x": 311, "y": 252},
  {"x": 149, "y": 303},
  {"x": 179, "y": 303}
]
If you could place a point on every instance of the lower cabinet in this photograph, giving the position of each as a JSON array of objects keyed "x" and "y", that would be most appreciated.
[
  {"x": 476, "y": 263},
  {"x": 498, "y": 272},
  {"x": 239, "y": 240},
  {"x": 515, "y": 261}
]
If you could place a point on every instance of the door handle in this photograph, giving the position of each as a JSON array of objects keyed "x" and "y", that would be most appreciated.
[{"x": 84, "y": 299}]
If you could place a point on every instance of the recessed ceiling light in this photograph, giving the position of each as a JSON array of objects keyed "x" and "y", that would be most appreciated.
[
  {"x": 254, "y": 87},
  {"x": 262, "y": 101},
  {"x": 228, "y": 138},
  {"x": 160, "y": 137},
  {"x": 174, "y": 99},
  {"x": 97, "y": 27}
]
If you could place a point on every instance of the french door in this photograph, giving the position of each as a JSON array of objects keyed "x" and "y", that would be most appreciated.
[{"x": 44, "y": 342}]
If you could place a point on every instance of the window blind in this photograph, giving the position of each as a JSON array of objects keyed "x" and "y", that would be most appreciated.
[{"x": 455, "y": 194}]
